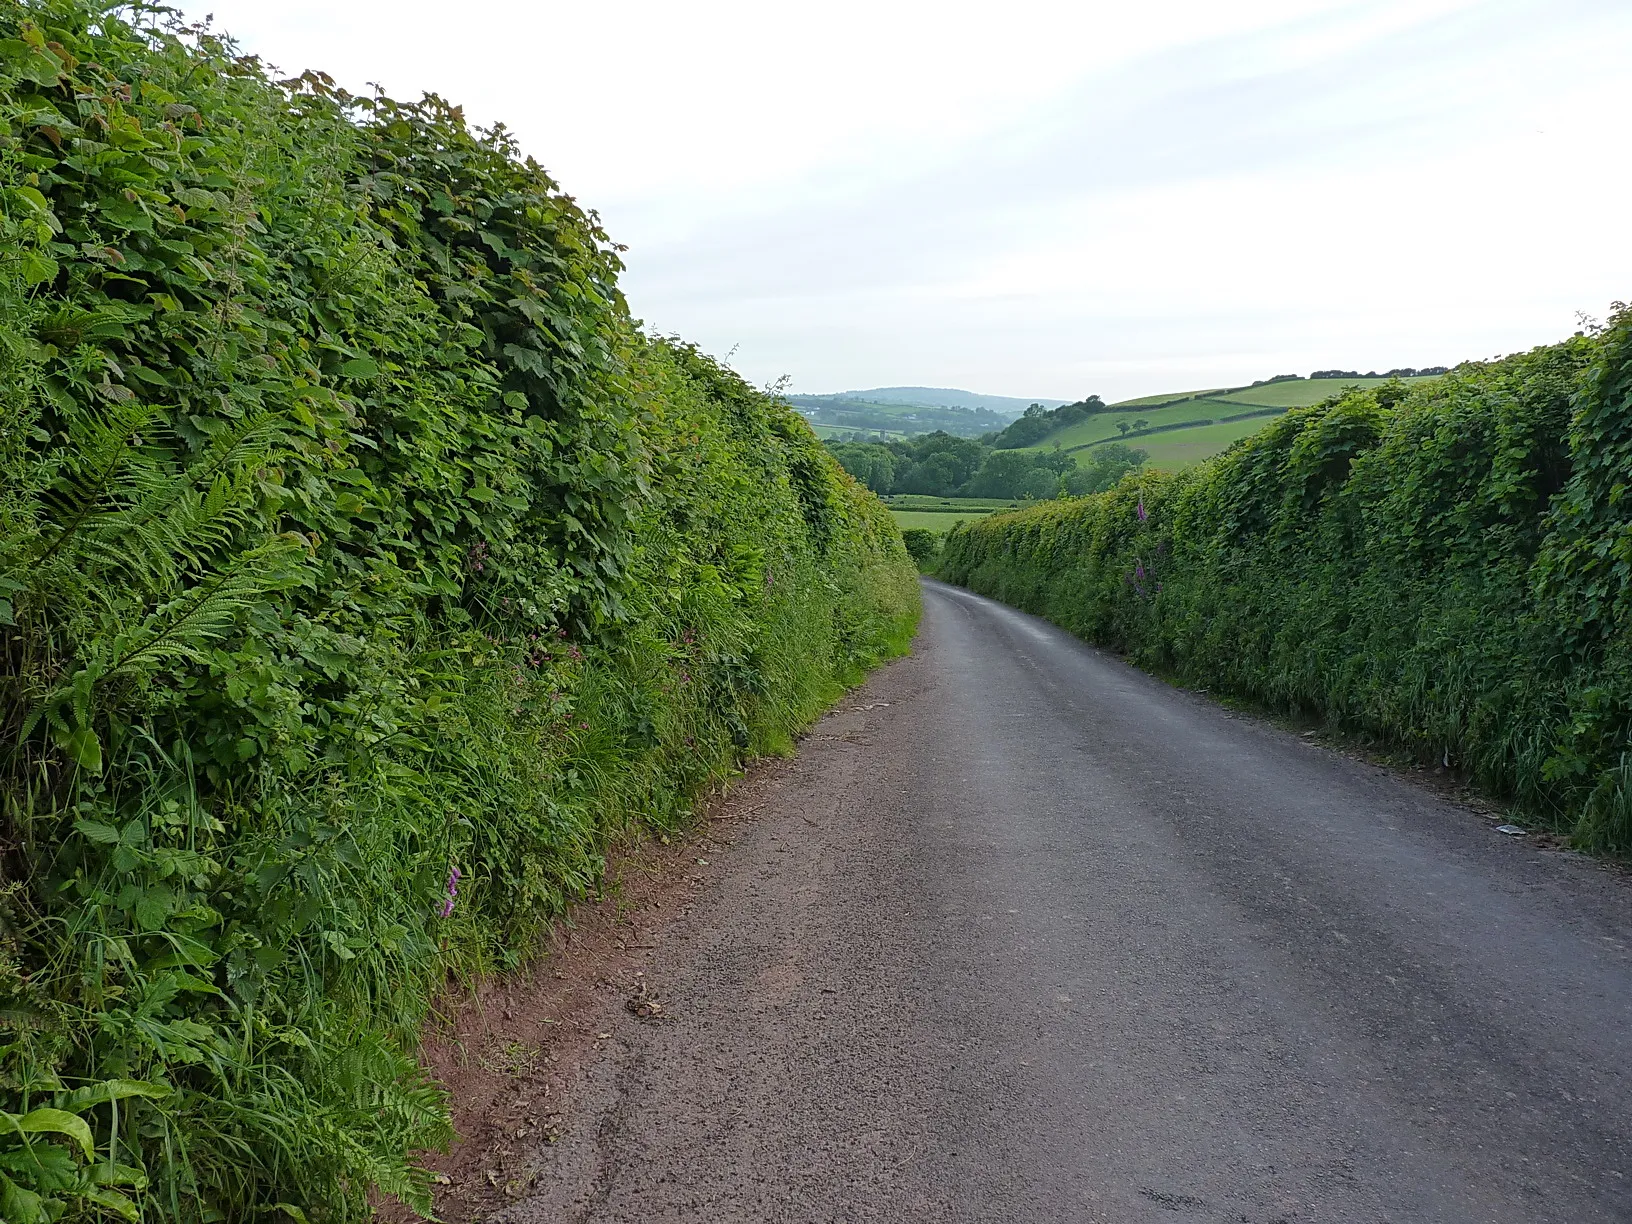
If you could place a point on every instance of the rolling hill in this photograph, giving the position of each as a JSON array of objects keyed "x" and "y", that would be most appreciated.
[
  {"x": 905, "y": 411},
  {"x": 1184, "y": 427},
  {"x": 951, "y": 397}
]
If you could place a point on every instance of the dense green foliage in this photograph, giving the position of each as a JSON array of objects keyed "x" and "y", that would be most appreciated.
[
  {"x": 1445, "y": 565},
  {"x": 362, "y": 569},
  {"x": 1101, "y": 468},
  {"x": 941, "y": 465},
  {"x": 1038, "y": 422},
  {"x": 923, "y": 545}
]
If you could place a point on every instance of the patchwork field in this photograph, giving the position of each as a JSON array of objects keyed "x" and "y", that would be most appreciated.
[
  {"x": 1180, "y": 448},
  {"x": 1167, "y": 397},
  {"x": 938, "y": 521},
  {"x": 938, "y": 514},
  {"x": 1300, "y": 393},
  {"x": 1190, "y": 427},
  {"x": 1102, "y": 427}
]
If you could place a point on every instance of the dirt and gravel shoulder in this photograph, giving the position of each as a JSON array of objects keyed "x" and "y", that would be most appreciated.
[{"x": 519, "y": 1055}]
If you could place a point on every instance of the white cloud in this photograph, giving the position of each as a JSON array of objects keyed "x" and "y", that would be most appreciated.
[{"x": 1051, "y": 198}]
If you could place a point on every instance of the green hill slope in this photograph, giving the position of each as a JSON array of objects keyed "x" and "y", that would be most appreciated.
[{"x": 1182, "y": 428}]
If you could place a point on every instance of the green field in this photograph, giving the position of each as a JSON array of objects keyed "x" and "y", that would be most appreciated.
[
  {"x": 938, "y": 521},
  {"x": 845, "y": 431},
  {"x": 1300, "y": 393},
  {"x": 937, "y": 514},
  {"x": 1167, "y": 397},
  {"x": 1181, "y": 448},
  {"x": 1200, "y": 414},
  {"x": 1102, "y": 426}
]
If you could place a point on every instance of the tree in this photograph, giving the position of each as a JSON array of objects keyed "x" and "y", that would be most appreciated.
[
  {"x": 1038, "y": 423},
  {"x": 922, "y": 545},
  {"x": 937, "y": 475},
  {"x": 869, "y": 462},
  {"x": 1038, "y": 484},
  {"x": 1001, "y": 474},
  {"x": 1122, "y": 427},
  {"x": 1101, "y": 467}
]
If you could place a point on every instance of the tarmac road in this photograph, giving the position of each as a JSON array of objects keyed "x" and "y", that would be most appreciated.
[{"x": 1027, "y": 935}]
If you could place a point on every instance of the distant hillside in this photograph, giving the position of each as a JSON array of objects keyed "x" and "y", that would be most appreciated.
[
  {"x": 950, "y": 397},
  {"x": 901, "y": 412},
  {"x": 1182, "y": 427}
]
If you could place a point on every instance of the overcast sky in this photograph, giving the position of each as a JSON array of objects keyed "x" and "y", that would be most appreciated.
[{"x": 1050, "y": 198}]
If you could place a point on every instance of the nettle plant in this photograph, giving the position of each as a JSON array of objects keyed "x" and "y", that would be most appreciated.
[
  {"x": 314, "y": 404},
  {"x": 361, "y": 567}
]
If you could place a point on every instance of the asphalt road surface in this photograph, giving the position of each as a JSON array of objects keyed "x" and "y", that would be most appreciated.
[{"x": 1027, "y": 935}]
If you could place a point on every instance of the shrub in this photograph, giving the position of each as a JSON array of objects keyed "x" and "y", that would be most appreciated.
[
  {"x": 923, "y": 545},
  {"x": 1447, "y": 566},
  {"x": 362, "y": 569}
]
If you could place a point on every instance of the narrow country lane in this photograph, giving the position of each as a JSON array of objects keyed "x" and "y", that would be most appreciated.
[{"x": 1026, "y": 935}]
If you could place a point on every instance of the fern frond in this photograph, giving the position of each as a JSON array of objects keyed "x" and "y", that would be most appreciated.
[
  {"x": 103, "y": 445},
  {"x": 175, "y": 525},
  {"x": 177, "y": 631},
  {"x": 181, "y": 628}
]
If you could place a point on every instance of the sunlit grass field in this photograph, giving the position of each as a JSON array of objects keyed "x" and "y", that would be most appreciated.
[
  {"x": 930, "y": 520},
  {"x": 1181, "y": 447},
  {"x": 1301, "y": 393},
  {"x": 1102, "y": 427},
  {"x": 1167, "y": 397},
  {"x": 937, "y": 514}
]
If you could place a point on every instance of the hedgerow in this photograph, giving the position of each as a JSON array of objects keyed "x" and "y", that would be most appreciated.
[
  {"x": 1445, "y": 567},
  {"x": 363, "y": 568}
]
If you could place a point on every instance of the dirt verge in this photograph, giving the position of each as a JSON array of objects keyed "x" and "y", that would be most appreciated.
[{"x": 508, "y": 1051}]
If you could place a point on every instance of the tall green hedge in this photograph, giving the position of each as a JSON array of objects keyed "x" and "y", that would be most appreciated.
[
  {"x": 1447, "y": 567},
  {"x": 362, "y": 568}
]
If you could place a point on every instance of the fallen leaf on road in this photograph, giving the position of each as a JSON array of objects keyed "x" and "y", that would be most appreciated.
[{"x": 643, "y": 1005}]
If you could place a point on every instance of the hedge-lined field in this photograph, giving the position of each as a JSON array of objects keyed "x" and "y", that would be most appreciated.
[
  {"x": 362, "y": 569},
  {"x": 1447, "y": 566}
]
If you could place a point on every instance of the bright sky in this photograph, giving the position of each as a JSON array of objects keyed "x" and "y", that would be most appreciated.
[{"x": 1050, "y": 197}]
